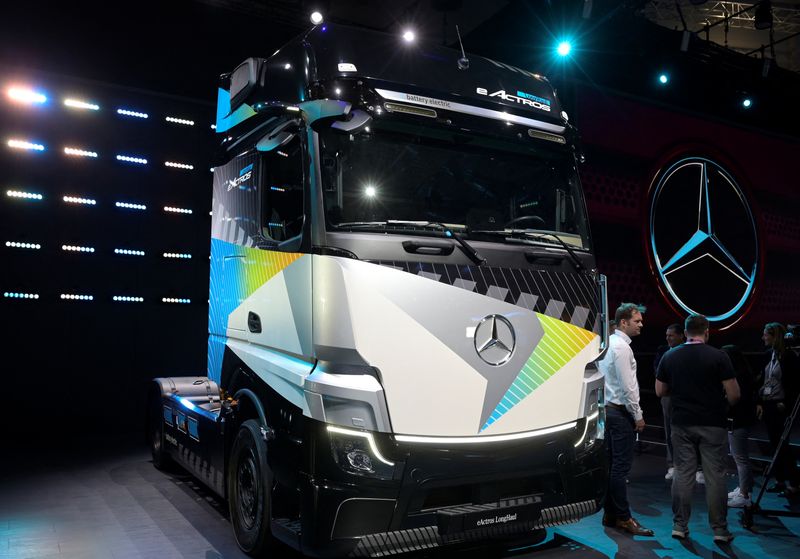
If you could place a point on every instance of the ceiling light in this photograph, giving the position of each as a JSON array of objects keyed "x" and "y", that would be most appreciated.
[{"x": 316, "y": 18}]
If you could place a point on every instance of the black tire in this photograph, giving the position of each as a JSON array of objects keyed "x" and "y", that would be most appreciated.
[
  {"x": 250, "y": 490},
  {"x": 155, "y": 432}
]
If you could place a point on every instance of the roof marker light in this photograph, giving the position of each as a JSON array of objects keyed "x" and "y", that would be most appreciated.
[
  {"x": 132, "y": 159},
  {"x": 130, "y": 206},
  {"x": 128, "y": 112},
  {"x": 76, "y": 200},
  {"x": 73, "y": 248},
  {"x": 15, "y": 244},
  {"x": 24, "y": 144},
  {"x": 177, "y": 120},
  {"x": 26, "y": 95},
  {"x": 177, "y": 210},
  {"x": 75, "y": 152},
  {"x": 178, "y": 165},
  {"x": 78, "y": 104},
  {"x": 15, "y": 295},
  {"x": 26, "y": 195}
]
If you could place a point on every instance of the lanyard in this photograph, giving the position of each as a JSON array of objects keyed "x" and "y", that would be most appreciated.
[{"x": 773, "y": 364}]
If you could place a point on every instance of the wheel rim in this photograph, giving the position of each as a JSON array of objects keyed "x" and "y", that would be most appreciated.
[{"x": 247, "y": 488}]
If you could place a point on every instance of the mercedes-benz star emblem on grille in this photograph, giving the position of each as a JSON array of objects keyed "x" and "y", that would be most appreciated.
[
  {"x": 495, "y": 339},
  {"x": 704, "y": 239}
]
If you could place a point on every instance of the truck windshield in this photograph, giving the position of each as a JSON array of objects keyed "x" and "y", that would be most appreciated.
[{"x": 400, "y": 178}]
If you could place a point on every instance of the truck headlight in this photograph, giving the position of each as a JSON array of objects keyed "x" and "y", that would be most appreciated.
[{"x": 356, "y": 452}]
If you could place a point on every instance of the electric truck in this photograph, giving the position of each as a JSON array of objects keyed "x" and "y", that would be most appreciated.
[{"x": 404, "y": 308}]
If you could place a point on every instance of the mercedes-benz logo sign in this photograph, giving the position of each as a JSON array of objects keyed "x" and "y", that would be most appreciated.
[
  {"x": 703, "y": 239},
  {"x": 495, "y": 339}
]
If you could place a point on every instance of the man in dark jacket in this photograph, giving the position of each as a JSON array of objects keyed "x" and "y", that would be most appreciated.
[{"x": 700, "y": 379}]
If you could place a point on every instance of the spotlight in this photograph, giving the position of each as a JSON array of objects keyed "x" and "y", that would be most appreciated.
[
  {"x": 762, "y": 19},
  {"x": 564, "y": 48},
  {"x": 316, "y": 18},
  {"x": 370, "y": 191},
  {"x": 663, "y": 79},
  {"x": 747, "y": 102},
  {"x": 409, "y": 36}
]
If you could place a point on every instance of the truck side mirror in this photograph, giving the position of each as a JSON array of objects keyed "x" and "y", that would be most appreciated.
[
  {"x": 357, "y": 122},
  {"x": 244, "y": 80}
]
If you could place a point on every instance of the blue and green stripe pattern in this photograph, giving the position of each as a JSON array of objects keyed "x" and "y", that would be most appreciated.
[{"x": 560, "y": 343}]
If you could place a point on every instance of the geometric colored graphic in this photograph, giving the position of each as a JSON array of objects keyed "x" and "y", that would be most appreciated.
[
  {"x": 559, "y": 345},
  {"x": 242, "y": 270}
]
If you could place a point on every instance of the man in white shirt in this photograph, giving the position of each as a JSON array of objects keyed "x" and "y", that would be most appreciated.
[{"x": 623, "y": 417}]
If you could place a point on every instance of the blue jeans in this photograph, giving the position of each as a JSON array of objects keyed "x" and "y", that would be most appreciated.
[
  {"x": 620, "y": 436},
  {"x": 710, "y": 441},
  {"x": 738, "y": 442}
]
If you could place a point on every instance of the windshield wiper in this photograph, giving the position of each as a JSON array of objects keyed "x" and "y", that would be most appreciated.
[
  {"x": 538, "y": 236},
  {"x": 473, "y": 254}
]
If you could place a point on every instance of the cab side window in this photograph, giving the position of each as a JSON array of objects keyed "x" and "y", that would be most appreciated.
[{"x": 282, "y": 210}]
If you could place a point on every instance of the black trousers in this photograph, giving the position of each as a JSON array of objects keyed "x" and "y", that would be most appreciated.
[{"x": 785, "y": 468}]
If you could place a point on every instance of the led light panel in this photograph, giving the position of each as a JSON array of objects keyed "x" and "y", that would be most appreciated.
[
  {"x": 177, "y": 301},
  {"x": 25, "y": 145},
  {"x": 79, "y": 104},
  {"x": 135, "y": 114},
  {"x": 130, "y": 206},
  {"x": 15, "y": 244},
  {"x": 178, "y": 165},
  {"x": 132, "y": 159},
  {"x": 177, "y": 210},
  {"x": 16, "y": 295},
  {"x": 127, "y": 299},
  {"x": 73, "y": 248},
  {"x": 128, "y": 252},
  {"x": 26, "y": 95},
  {"x": 176, "y": 255},
  {"x": 79, "y": 152},
  {"x": 177, "y": 120},
  {"x": 77, "y": 297},
  {"x": 77, "y": 200},
  {"x": 26, "y": 195}
]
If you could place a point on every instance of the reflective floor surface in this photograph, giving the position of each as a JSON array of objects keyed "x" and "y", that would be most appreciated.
[{"x": 115, "y": 504}]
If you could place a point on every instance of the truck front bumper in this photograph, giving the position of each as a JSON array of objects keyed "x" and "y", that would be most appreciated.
[{"x": 444, "y": 495}]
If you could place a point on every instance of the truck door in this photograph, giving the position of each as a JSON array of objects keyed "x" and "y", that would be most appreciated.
[{"x": 278, "y": 312}]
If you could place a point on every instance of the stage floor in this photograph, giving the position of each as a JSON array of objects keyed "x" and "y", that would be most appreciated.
[{"x": 117, "y": 505}]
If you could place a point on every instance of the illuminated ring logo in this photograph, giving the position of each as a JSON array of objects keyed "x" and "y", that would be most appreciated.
[
  {"x": 703, "y": 238},
  {"x": 495, "y": 339}
]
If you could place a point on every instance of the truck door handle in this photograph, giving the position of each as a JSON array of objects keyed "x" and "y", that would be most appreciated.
[
  {"x": 428, "y": 246},
  {"x": 253, "y": 323}
]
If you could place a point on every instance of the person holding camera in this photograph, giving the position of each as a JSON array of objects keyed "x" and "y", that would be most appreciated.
[{"x": 776, "y": 399}]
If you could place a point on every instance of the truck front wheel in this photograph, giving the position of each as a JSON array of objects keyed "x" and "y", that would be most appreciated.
[{"x": 250, "y": 489}]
